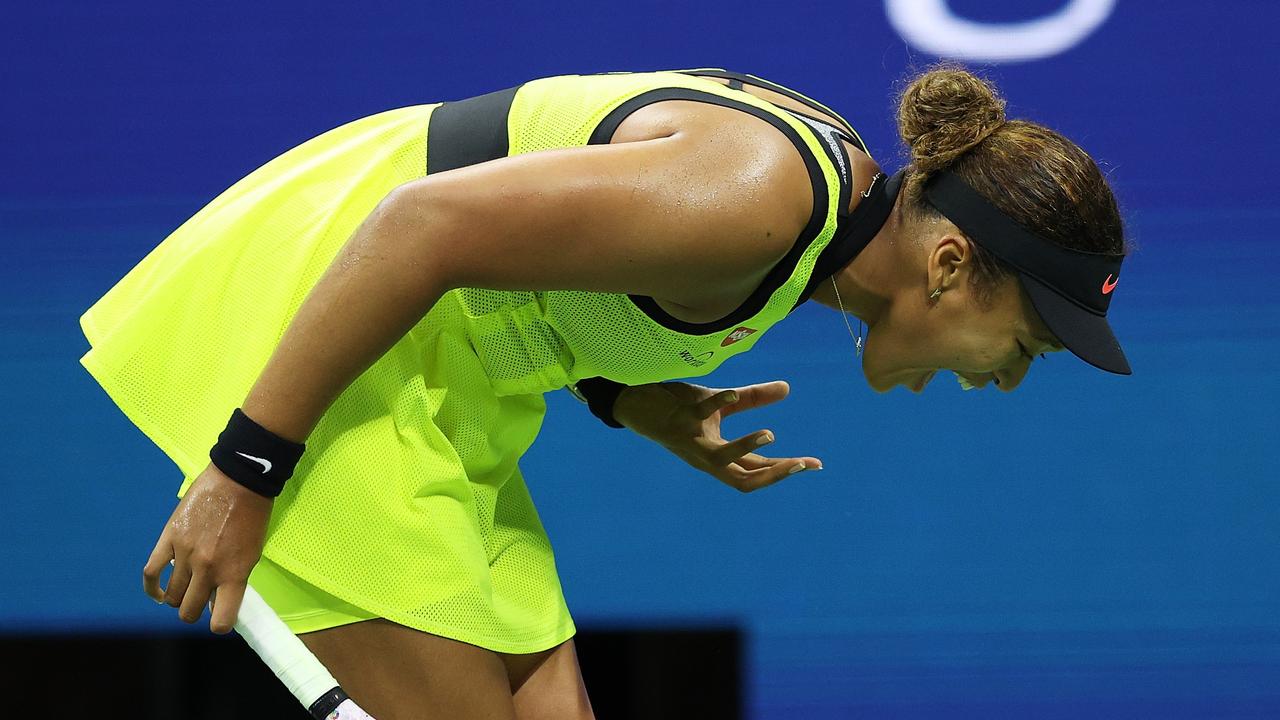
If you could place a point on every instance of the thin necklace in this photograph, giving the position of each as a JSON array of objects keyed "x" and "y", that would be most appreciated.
[
  {"x": 857, "y": 342},
  {"x": 964, "y": 383}
]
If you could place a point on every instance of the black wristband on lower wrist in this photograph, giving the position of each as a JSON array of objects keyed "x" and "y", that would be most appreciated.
[
  {"x": 600, "y": 394},
  {"x": 254, "y": 456}
]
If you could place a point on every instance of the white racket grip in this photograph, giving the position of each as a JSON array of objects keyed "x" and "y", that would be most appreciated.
[{"x": 281, "y": 650}]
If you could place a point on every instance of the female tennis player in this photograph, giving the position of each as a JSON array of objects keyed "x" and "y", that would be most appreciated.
[{"x": 381, "y": 309}]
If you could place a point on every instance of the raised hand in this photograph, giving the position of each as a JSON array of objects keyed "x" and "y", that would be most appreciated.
[{"x": 685, "y": 419}]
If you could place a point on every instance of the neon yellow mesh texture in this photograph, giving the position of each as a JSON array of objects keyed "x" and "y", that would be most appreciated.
[
  {"x": 540, "y": 341},
  {"x": 232, "y": 276},
  {"x": 409, "y": 502}
]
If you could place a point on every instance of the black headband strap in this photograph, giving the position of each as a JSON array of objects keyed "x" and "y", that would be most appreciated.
[{"x": 1085, "y": 278}]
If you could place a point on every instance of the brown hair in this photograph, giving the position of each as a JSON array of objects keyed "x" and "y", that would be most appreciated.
[{"x": 951, "y": 119}]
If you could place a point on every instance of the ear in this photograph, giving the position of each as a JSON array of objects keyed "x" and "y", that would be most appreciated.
[{"x": 949, "y": 262}]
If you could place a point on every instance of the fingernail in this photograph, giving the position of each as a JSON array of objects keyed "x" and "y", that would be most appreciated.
[
  {"x": 764, "y": 439},
  {"x": 732, "y": 397},
  {"x": 796, "y": 469}
]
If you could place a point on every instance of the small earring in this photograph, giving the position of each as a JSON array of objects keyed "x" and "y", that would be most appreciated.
[{"x": 935, "y": 294}]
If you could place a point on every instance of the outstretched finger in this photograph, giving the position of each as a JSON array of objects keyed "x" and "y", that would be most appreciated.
[
  {"x": 732, "y": 451},
  {"x": 751, "y": 480},
  {"x": 752, "y": 461},
  {"x": 704, "y": 408},
  {"x": 757, "y": 395}
]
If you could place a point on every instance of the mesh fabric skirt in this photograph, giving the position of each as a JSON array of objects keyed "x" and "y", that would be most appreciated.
[{"x": 409, "y": 503}]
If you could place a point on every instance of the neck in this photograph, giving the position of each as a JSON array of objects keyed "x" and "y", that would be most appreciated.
[{"x": 866, "y": 283}]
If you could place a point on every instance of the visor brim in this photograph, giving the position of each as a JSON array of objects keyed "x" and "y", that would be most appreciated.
[{"x": 1088, "y": 336}]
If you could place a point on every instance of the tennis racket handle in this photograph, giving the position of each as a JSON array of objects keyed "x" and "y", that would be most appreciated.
[
  {"x": 335, "y": 705},
  {"x": 291, "y": 661}
]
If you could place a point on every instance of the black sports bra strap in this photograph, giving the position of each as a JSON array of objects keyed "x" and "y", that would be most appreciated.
[
  {"x": 829, "y": 135},
  {"x": 855, "y": 231},
  {"x": 778, "y": 275},
  {"x": 837, "y": 130},
  {"x": 766, "y": 84}
]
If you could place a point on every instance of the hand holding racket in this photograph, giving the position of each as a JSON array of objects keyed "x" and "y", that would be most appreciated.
[
  {"x": 213, "y": 539},
  {"x": 685, "y": 419},
  {"x": 300, "y": 671},
  {"x": 291, "y": 661}
]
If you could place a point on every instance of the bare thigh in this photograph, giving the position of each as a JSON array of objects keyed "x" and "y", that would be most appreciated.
[
  {"x": 395, "y": 672},
  {"x": 548, "y": 685}
]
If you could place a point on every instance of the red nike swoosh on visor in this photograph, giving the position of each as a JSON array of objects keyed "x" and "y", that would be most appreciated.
[{"x": 1108, "y": 286}]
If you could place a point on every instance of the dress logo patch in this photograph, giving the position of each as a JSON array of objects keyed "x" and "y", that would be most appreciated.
[
  {"x": 736, "y": 335},
  {"x": 696, "y": 360}
]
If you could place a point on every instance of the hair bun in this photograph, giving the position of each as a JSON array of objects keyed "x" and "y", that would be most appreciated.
[{"x": 944, "y": 112}]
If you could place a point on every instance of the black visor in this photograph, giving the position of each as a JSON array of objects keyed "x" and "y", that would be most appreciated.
[
  {"x": 1085, "y": 334},
  {"x": 1070, "y": 289}
]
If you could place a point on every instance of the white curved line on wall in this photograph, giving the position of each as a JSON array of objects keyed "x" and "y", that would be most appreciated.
[{"x": 931, "y": 26}]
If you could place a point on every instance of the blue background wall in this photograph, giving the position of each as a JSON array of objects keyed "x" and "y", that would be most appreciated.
[{"x": 1087, "y": 545}]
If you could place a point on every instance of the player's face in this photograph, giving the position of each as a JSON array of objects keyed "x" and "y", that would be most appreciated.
[{"x": 983, "y": 343}]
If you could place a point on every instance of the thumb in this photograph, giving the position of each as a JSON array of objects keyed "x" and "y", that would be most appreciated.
[{"x": 756, "y": 395}]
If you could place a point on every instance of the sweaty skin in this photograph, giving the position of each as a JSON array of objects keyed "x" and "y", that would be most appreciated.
[
  {"x": 724, "y": 224},
  {"x": 909, "y": 337}
]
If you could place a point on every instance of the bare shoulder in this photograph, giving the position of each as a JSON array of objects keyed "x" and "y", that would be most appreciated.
[
  {"x": 692, "y": 208},
  {"x": 758, "y": 172}
]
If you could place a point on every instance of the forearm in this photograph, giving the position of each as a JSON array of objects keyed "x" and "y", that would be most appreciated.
[{"x": 381, "y": 283}]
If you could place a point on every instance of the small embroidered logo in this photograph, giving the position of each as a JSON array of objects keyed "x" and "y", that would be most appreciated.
[
  {"x": 696, "y": 361},
  {"x": 736, "y": 335},
  {"x": 867, "y": 193},
  {"x": 265, "y": 463},
  {"x": 1108, "y": 285}
]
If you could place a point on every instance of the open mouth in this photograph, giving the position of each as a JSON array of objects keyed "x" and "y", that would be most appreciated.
[{"x": 924, "y": 380}]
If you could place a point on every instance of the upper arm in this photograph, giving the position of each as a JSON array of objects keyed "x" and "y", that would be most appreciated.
[{"x": 649, "y": 217}]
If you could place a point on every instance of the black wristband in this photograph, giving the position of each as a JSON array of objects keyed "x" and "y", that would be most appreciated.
[
  {"x": 254, "y": 456},
  {"x": 600, "y": 394}
]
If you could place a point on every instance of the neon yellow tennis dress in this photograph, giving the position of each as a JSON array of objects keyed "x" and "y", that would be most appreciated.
[{"x": 409, "y": 503}]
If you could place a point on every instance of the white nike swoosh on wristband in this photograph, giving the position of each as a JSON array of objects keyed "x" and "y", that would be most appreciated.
[{"x": 266, "y": 464}]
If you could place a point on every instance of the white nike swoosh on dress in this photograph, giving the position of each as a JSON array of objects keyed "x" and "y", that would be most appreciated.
[{"x": 266, "y": 464}]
